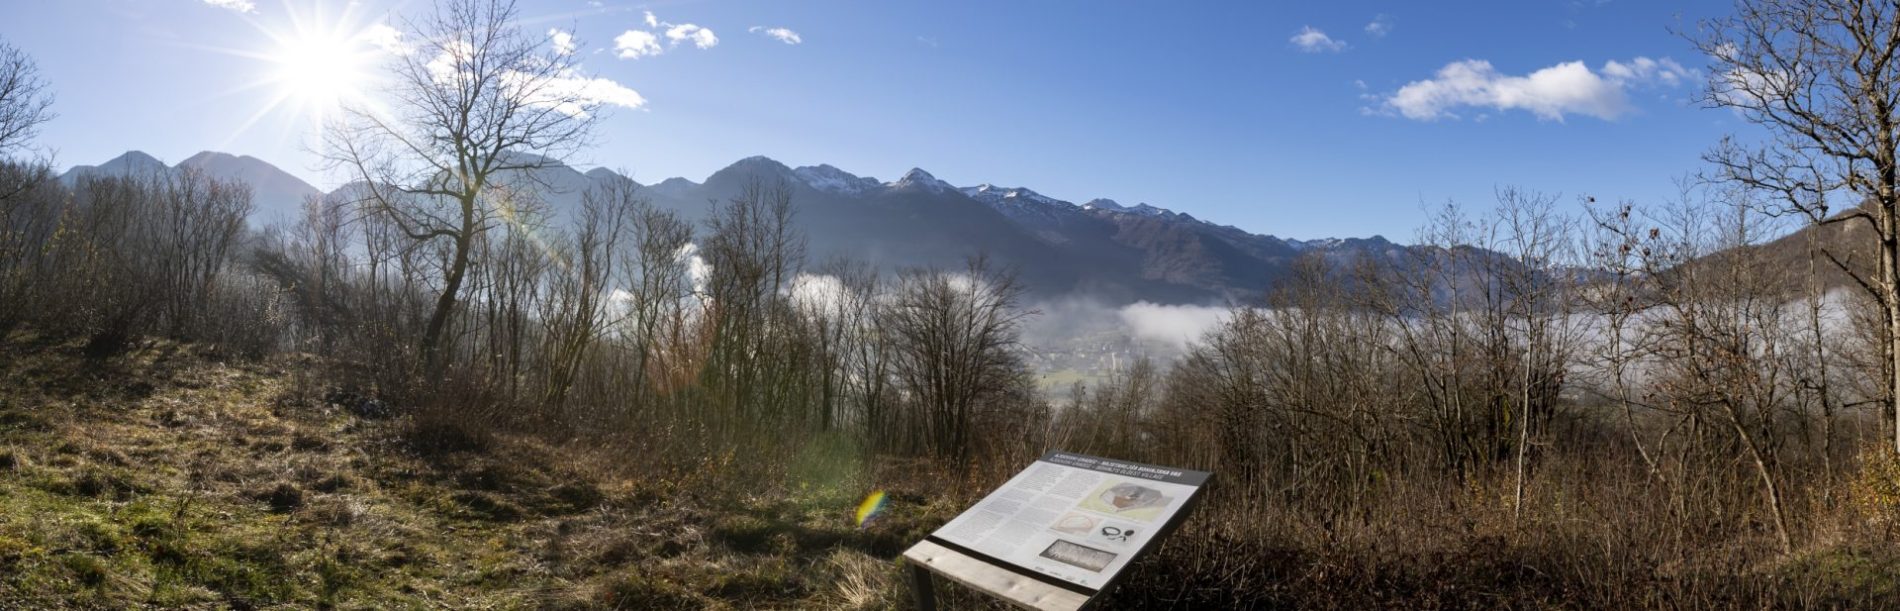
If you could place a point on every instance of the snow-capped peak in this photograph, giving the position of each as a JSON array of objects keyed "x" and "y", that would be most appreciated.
[
  {"x": 824, "y": 177},
  {"x": 994, "y": 195},
  {"x": 1109, "y": 205},
  {"x": 916, "y": 178},
  {"x": 1147, "y": 210},
  {"x": 1318, "y": 243}
]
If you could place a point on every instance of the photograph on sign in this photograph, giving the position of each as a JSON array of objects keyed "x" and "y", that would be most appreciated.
[
  {"x": 1074, "y": 518},
  {"x": 1078, "y": 555}
]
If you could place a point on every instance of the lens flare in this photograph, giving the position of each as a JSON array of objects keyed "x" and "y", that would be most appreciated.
[{"x": 871, "y": 507}]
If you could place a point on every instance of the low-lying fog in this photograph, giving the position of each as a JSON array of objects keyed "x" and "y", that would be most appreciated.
[{"x": 1083, "y": 340}]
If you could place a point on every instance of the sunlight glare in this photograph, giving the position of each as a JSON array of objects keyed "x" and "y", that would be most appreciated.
[{"x": 319, "y": 70}]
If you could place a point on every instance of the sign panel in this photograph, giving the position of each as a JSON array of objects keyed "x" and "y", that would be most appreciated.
[{"x": 1075, "y": 520}]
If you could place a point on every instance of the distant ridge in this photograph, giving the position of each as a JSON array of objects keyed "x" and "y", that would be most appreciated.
[
  {"x": 1100, "y": 249},
  {"x": 277, "y": 195}
]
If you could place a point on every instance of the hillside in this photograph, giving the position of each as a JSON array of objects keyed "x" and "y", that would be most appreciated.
[
  {"x": 278, "y": 195},
  {"x": 171, "y": 479}
]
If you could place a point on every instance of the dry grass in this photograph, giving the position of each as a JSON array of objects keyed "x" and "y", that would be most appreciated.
[{"x": 169, "y": 478}]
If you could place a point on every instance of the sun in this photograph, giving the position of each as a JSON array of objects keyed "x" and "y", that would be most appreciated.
[
  {"x": 315, "y": 63},
  {"x": 320, "y": 69}
]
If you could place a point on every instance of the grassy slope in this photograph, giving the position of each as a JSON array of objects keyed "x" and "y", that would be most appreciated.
[{"x": 165, "y": 478}]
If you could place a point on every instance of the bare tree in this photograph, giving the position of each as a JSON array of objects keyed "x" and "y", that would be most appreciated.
[
  {"x": 189, "y": 224},
  {"x": 475, "y": 111},
  {"x": 834, "y": 317},
  {"x": 1721, "y": 316},
  {"x": 24, "y": 106},
  {"x": 576, "y": 310},
  {"x": 1617, "y": 248},
  {"x": 31, "y": 205},
  {"x": 1823, "y": 76},
  {"x": 142, "y": 254},
  {"x": 754, "y": 250},
  {"x": 24, "y": 102},
  {"x": 1537, "y": 239},
  {"x": 867, "y": 353},
  {"x": 653, "y": 308},
  {"x": 955, "y": 338}
]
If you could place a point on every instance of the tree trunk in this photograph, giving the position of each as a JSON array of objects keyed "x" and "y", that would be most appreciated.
[
  {"x": 1893, "y": 351},
  {"x": 445, "y": 307},
  {"x": 1890, "y": 285},
  {"x": 1769, "y": 488},
  {"x": 1524, "y": 437}
]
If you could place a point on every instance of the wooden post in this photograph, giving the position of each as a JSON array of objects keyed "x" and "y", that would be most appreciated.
[
  {"x": 921, "y": 587},
  {"x": 928, "y": 559}
]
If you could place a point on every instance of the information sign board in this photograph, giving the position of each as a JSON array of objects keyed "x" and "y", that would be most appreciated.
[{"x": 1074, "y": 521}]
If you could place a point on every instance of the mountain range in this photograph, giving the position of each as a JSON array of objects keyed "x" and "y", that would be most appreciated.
[
  {"x": 1099, "y": 249},
  {"x": 276, "y": 195}
]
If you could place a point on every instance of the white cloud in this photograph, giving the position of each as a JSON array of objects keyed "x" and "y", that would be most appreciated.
[
  {"x": 567, "y": 91},
  {"x": 698, "y": 271},
  {"x": 1311, "y": 40},
  {"x": 783, "y": 35},
  {"x": 635, "y": 44},
  {"x": 1380, "y": 26},
  {"x": 573, "y": 94},
  {"x": 817, "y": 294},
  {"x": 1741, "y": 88},
  {"x": 1569, "y": 88},
  {"x": 563, "y": 41},
  {"x": 1725, "y": 52},
  {"x": 447, "y": 63},
  {"x": 384, "y": 37},
  {"x": 1645, "y": 70},
  {"x": 1179, "y": 326},
  {"x": 242, "y": 6},
  {"x": 701, "y": 37},
  {"x": 965, "y": 283}
]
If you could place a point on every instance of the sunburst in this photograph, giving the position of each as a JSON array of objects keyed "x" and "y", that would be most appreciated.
[{"x": 314, "y": 63}]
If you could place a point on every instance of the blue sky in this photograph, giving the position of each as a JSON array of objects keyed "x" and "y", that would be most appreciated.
[{"x": 1234, "y": 112}]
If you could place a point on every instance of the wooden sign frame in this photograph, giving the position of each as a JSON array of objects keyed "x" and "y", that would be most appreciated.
[{"x": 1046, "y": 585}]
